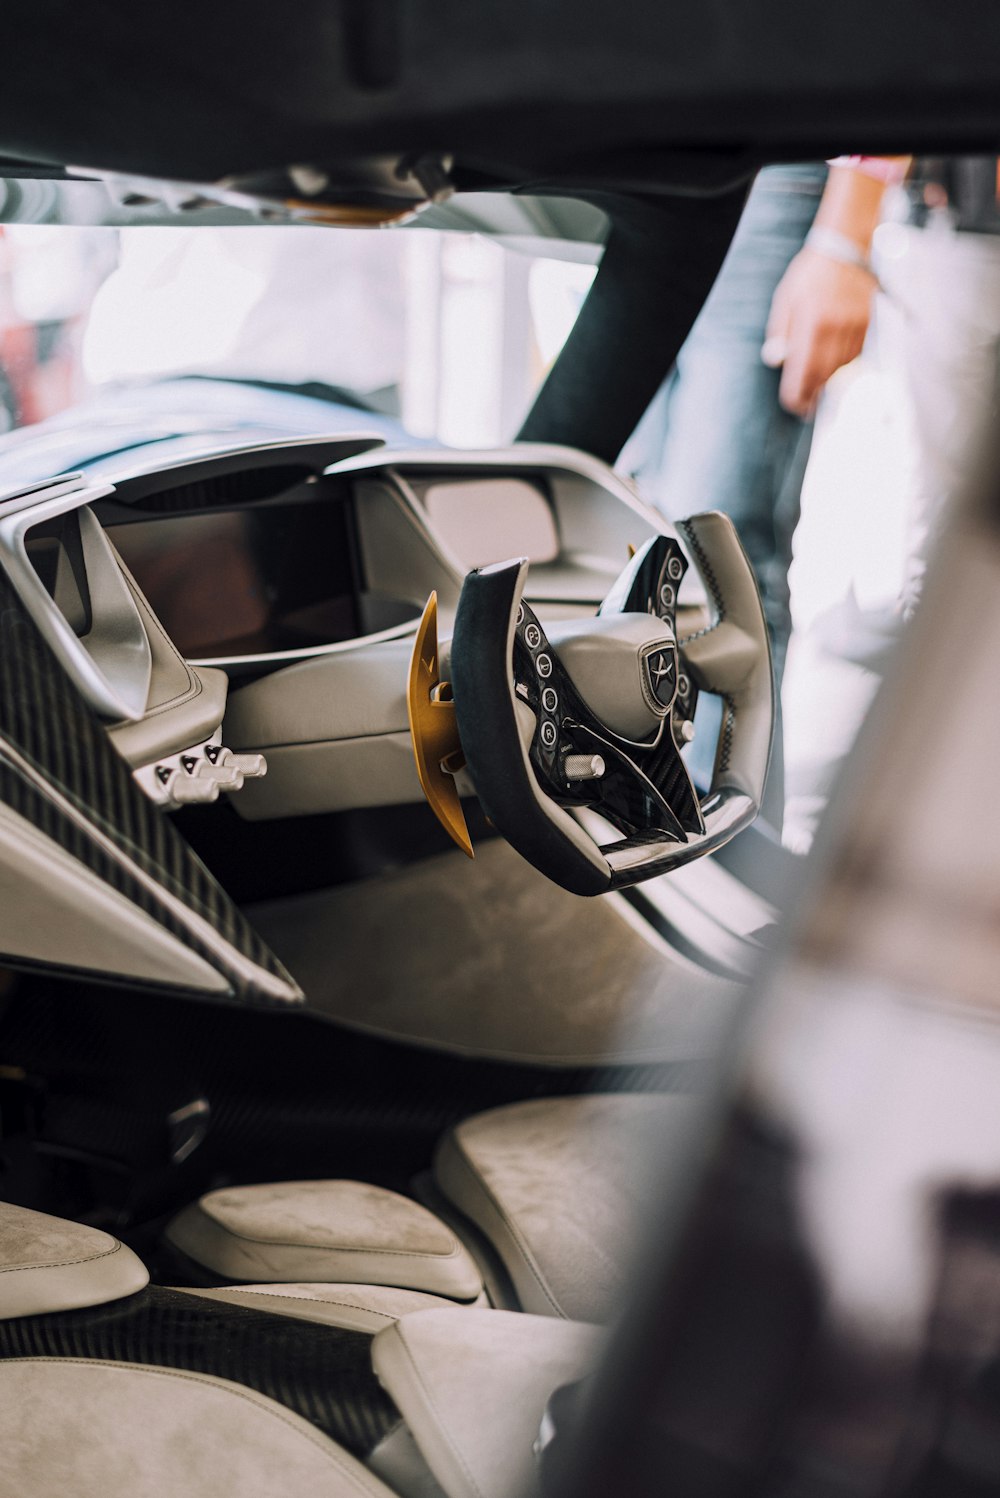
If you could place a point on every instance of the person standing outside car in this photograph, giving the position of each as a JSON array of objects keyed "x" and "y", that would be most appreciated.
[
  {"x": 821, "y": 308},
  {"x": 731, "y": 427},
  {"x": 941, "y": 271}
]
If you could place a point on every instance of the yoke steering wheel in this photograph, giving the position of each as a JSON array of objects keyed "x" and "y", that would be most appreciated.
[{"x": 593, "y": 713}]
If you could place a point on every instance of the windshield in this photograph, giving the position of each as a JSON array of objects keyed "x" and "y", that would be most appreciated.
[{"x": 447, "y": 335}]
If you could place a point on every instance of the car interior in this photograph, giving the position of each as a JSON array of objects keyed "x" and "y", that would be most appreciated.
[
  {"x": 368, "y": 941},
  {"x": 461, "y": 1119}
]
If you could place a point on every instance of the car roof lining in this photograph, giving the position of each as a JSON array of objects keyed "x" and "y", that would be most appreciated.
[
  {"x": 512, "y": 90},
  {"x": 642, "y": 117}
]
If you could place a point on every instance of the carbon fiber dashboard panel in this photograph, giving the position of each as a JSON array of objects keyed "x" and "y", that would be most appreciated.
[
  {"x": 59, "y": 770},
  {"x": 322, "y": 1373}
]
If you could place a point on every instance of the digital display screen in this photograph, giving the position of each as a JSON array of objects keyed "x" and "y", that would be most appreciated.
[
  {"x": 250, "y": 581},
  {"x": 55, "y": 551}
]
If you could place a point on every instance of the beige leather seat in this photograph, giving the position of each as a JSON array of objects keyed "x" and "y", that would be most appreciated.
[
  {"x": 342, "y": 1232},
  {"x": 124, "y": 1430},
  {"x": 557, "y": 1186},
  {"x": 108, "y": 1429},
  {"x": 473, "y": 1386},
  {"x": 47, "y": 1264},
  {"x": 553, "y": 1185}
]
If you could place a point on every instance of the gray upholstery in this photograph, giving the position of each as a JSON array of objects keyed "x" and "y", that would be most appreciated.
[
  {"x": 328, "y": 1231},
  {"x": 557, "y": 1187},
  {"x": 356, "y": 1308},
  {"x": 584, "y": 982},
  {"x": 48, "y": 1264},
  {"x": 77, "y": 1428},
  {"x": 472, "y": 1387}
]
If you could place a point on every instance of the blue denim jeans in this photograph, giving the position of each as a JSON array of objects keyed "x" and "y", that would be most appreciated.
[{"x": 714, "y": 436}]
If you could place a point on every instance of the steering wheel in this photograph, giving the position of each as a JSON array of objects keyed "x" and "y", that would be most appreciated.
[{"x": 592, "y": 714}]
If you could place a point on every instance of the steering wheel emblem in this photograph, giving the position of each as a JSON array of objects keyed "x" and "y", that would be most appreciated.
[{"x": 660, "y": 666}]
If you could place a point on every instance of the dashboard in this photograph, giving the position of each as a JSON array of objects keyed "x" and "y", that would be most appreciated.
[{"x": 239, "y": 625}]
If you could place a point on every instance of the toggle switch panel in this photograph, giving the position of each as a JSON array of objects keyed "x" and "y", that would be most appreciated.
[{"x": 199, "y": 774}]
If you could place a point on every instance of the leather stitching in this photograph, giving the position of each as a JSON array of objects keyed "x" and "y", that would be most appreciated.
[
  {"x": 708, "y": 575},
  {"x": 324, "y": 1300},
  {"x": 728, "y": 729},
  {"x": 332, "y": 1248},
  {"x": 62, "y": 1263}
]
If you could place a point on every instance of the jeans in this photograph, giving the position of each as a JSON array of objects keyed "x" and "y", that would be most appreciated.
[{"x": 714, "y": 436}]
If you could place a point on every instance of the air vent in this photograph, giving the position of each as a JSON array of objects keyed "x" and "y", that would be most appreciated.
[{"x": 225, "y": 490}]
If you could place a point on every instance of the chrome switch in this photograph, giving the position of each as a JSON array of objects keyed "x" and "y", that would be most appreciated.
[
  {"x": 226, "y": 777},
  {"x": 583, "y": 766},
  {"x": 250, "y": 766},
  {"x": 198, "y": 774},
  {"x": 189, "y": 790}
]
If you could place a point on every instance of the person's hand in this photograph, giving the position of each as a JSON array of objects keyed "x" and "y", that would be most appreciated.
[{"x": 819, "y": 316}]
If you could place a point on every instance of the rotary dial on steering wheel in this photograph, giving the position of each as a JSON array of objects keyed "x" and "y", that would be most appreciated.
[{"x": 593, "y": 713}]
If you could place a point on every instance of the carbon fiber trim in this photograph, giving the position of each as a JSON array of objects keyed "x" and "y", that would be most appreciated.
[
  {"x": 322, "y": 1373},
  {"x": 292, "y": 1097},
  {"x": 59, "y": 770}
]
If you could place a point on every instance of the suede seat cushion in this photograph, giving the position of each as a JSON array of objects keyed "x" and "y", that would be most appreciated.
[
  {"x": 327, "y": 1231},
  {"x": 79, "y": 1428},
  {"x": 51, "y": 1264},
  {"x": 472, "y": 1387},
  {"x": 558, "y": 1185}
]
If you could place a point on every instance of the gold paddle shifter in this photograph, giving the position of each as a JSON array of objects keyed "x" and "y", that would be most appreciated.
[{"x": 436, "y": 745}]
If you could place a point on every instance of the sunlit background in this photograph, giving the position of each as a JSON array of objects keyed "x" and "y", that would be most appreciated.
[{"x": 449, "y": 335}]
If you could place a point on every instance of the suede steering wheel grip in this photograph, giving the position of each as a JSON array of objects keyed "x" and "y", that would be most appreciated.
[
  {"x": 727, "y": 653},
  {"x": 730, "y": 656}
]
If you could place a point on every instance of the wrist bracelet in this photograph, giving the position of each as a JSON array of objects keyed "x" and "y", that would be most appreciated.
[{"x": 837, "y": 246}]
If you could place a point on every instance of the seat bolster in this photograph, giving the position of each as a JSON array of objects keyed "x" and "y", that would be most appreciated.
[
  {"x": 98, "y": 1429},
  {"x": 355, "y": 1308},
  {"x": 466, "y": 1188},
  {"x": 472, "y": 1387},
  {"x": 50, "y": 1264},
  {"x": 557, "y": 1186},
  {"x": 331, "y": 1232}
]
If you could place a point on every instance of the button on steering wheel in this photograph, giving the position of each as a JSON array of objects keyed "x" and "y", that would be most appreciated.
[{"x": 556, "y": 719}]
